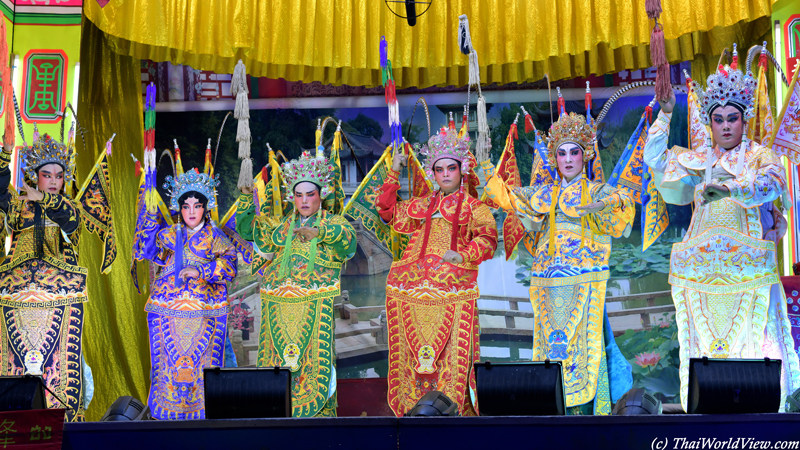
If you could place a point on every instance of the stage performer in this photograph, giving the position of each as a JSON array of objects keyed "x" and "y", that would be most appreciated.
[
  {"x": 725, "y": 285},
  {"x": 187, "y": 311},
  {"x": 575, "y": 219},
  {"x": 308, "y": 247},
  {"x": 432, "y": 291},
  {"x": 42, "y": 288}
]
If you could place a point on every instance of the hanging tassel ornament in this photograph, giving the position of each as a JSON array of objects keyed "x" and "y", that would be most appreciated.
[
  {"x": 561, "y": 104},
  {"x": 242, "y": 113},
  {"x": 137, "y": 166},
  {"x": 108, "y": 144},
  {"x": 652, "y": 8},
  {"x": 529, "y": 126},
  {"x": 484, "y": 145},
  {"x": 658, "y": 55},
  {"x": 587, "y": 101}
]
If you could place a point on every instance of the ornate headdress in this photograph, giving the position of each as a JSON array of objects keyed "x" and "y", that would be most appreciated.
[
  {"x": 571, "y": 128},
  {"x": 447, "y": 144},
  {"x": 727, "y": 87},
  {"x": 192, "y": 181},
  {"x": 46, "y": 150},
  {"x": 317, "y": 170}
]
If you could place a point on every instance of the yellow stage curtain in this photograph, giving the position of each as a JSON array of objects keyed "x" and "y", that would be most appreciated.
[
  {"x": 336, "y": 41},
  {"x": 115, "y": 338}
]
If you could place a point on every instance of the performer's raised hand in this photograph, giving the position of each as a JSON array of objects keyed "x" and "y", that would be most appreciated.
[
  {"x": 591, "y": 208},
  {"x": 452, "y": 257},
  {"x": 189, "y": 272},
  {"x": 714, "y": 192},
  {"x": 399, "y": 161},
  {"x": 668, "y": 105},
  {"x": 30, "y": 194},
  {"x": 306, "y": 234}
]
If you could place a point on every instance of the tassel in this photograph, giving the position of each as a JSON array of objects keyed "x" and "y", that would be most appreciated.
[
  {"x": 383, "y": 46},
  {"x": 246, "y": 174},
  {"x": 561, "y": 104},
  {"x": 242, "y": 108},
  {"x": 474, "y": 70},
  {"x": 244, "y": 149},
  {"x": 264, "y": 174},
  {"x": 312, "y": 248},
  {"x": 658, "y": 52},
  {"x": 464, "y": 38},
  {"x": 587, "y": 101},
  {"x": 653, "y": 8},
  {"x": 108, "y": 144},
  {"x": 663, "y": 85},
  {"x": 484, "y": 145},
  {"x": 529, "y": 126},
  {"x": 452, "y": 122},
  {"x": 584, "y": 202},
  {"x": 243, "y": 130},
  {"x": 137, "y": 167},
  {"x": 551, "y": 247}
]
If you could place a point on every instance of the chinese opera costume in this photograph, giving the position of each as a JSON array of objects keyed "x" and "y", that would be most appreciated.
[
  {"x": 570, "y": 268},
  {"x": 42, "y": 287},
  {"x": 186, "y": 319},
  {"x": 725, "y": 285},
  {"x": 431, "y": 305},
  {"x": 300, "y": 283}
]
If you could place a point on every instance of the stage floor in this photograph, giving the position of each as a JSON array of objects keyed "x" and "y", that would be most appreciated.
[{"x": 763, "y": 431}]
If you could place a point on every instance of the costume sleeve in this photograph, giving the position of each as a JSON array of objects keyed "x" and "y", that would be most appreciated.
[
  {"x": 617, "y": 217},
  {"x": 483, "y": 230},
  {"x": 655, "y": 150},
  {"x": 223, "y": 267},
  {"x": 511, "y": 200},
  {"x": 5, "y": 180},
  {"x": 245, "y": 215},
  {"x": 765, "y": 184},
  {"x": 337, "y": 232},
  {"x": 61, "y": 211},
  {"x": 263, "y": 226},
  {"x": 392, "y": 211},
  {"x": 387, "y": 200}
]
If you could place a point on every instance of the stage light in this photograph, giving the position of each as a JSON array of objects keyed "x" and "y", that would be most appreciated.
[
  {"x": 520, "y": 389},
  {"x": 125, "y": 409},
  {"x": 637, "y": 402},
  {"x": 433, "y": 404},
  {"x": 247, "y": 393},
  {"x": 734, "y": 386},
  {"x": 21, "y": 393}
]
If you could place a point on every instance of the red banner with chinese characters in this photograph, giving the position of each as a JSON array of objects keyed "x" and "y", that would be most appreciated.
[{"x": 36, "y": 429}]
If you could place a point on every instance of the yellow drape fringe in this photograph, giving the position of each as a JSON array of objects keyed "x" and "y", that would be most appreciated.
[
  {"x": 336, "y": 41},
  {"x": 115, "y": 340}
]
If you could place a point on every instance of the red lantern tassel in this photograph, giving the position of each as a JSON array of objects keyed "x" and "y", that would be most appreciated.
[
  {"x": 562, "y": 105},
  {"x": 137, "y": 167},
  {"x": 264, "y": 174}
]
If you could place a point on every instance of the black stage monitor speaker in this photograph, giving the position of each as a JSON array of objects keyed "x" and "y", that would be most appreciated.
[
  {"x": 637, "y": 402},
  {"x": 433, "y": 404},
  {"x": 22, "y": 392},
  {"x": 247, "y": 393},
  {"x": 124, "y": 409},
  {"x": 734, "y": 386},
  {"x": 520, "y": 389}
]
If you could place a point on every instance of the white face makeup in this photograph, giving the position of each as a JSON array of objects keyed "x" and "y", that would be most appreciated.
[
  {"x": 192, "y": 212},
  {"x": 447, "y": 173},
  {"x": 727, "y": 126},
  {"x": 307, "y": 198},
  {"x": 50, "y": 178},
  {"x": 569, "y": 158}
]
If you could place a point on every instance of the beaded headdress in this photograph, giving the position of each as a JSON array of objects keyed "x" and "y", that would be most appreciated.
[
  {"x": 192, "y": 181},
  {"x": 46, "y": 150},
  {"x": 317, "y": 170},
  {"x": 447, "y": 144},
  {"x": 571, "y": 128},
  {"x": 727, "y": 87}
]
